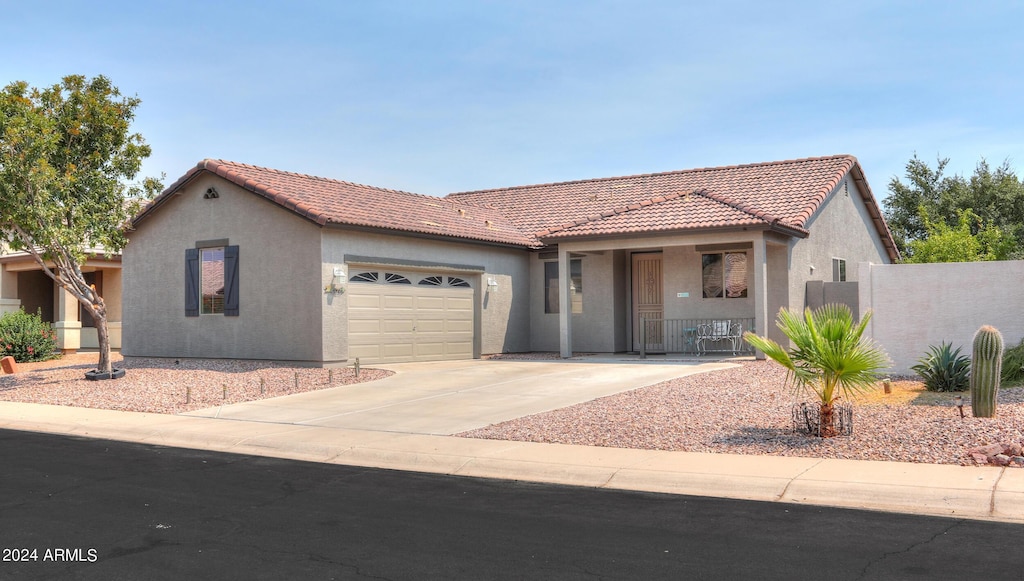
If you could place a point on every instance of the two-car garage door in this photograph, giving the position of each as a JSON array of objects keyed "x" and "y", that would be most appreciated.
[{"x": 403, "y": 316}]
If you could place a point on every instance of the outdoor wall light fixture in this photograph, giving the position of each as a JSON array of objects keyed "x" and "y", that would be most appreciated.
[
  {"x": 336, "y": 285},
  {"x": 492, "y": 284}
]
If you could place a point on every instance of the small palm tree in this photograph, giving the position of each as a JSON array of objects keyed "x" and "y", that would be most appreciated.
[{"x": 830, "y": 357}]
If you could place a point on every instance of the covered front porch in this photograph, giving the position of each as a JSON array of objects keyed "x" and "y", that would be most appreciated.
[
  {"x": 24, "y": 285},
  {"x": 691, "y": 294}
]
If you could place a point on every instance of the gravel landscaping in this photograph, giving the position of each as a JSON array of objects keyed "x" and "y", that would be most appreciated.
[
  {"x": 168, "y": 386},
  {"x": 746, "y": 410}
]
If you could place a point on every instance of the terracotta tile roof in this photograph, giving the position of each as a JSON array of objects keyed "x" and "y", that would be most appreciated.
[
  {"x": 326, "y": 201},
  {"x": 691, "y": 211},
  {"x": 780, "y": 195}
]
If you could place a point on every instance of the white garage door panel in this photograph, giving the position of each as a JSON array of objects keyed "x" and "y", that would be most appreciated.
[
  {"x": 393, "y": 302},
  {"x": 424, "y": 303},
  {"x": 360, "y": 301},
  {"x": 397, "y": 326},
  {"x": 454, "y": 348},
  {"x": 431, "y": 350},
  {"x": 365, "y": 352},
  {"x": 455, "y": 326},
  {"x": 460, "y": 304},
  {"x": 363, "y": 326},
  {"x": 430, "y": 325},
  {"x": 397, "y": 322}
]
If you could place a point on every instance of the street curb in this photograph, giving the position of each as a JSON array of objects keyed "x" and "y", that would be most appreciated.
[{"x": 987, "y": 493}]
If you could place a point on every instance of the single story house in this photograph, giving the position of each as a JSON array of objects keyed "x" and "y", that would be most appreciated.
[
  {"x": 239, "y": 261},
  {"x": 24, "y": 285}
]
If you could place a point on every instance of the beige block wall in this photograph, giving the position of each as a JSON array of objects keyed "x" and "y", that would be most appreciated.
[
  {"x": 279, "y": 270},
  {"x": 503, "y": 323},
  {"x": 919, "y": 305}
]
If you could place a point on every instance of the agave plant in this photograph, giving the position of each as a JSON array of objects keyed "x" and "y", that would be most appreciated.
[
  {"x": 944, "y": 369},
  {"x": 830, "y": 357}
]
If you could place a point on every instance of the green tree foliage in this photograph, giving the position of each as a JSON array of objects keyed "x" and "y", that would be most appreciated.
[
  {"x": 67, "y": 161},
  {"x": 995, "y": 197},
  {"x": 970, "y": 241}
]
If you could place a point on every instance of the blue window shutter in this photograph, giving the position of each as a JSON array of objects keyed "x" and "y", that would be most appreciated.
[
  {"x": 231, "y": 281},
  {"x": 191, "y": 282}
]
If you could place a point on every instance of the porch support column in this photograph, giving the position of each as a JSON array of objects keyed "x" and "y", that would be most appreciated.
[
  {"x": 67, "y": 325},
  {"x": 564, "y": 305},
  {"x": 760, "y": 291}
]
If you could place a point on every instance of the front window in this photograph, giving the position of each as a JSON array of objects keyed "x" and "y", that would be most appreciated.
[
  {"x": 551, "y": 305},
  {"x": 724, "y": 275},
  {"x": 211, "y": 281}
]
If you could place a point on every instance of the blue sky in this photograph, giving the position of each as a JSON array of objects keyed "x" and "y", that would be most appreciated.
[{"x": 438, "y": 97}]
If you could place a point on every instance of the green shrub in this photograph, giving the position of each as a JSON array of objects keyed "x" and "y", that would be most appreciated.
[
  {"x": 944, "y": 369},
  {"x": 1013, "y": 364},
  {"x": 26, "y": 337}
]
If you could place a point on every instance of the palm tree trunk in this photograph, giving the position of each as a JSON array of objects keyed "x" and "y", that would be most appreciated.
[{"x": 826, "y": 421}]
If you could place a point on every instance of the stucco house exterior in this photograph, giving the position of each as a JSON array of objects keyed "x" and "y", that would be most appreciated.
[
  {"x": 240, "y": 261},
  {"x": 24, "y": 285}
]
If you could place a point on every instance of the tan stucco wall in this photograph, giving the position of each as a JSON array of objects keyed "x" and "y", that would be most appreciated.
[
  {"x": 682, "y": 267},
  {"x": 841, "y": 228},
  {"x": 112, "y": 296},
  {"x": 778, "y": 287},
  {"x": 919, "y": 305},
  {"x": 8, "y": 283},
  {"x": 113, "y": 293},
  {"x": 279, "y": 273},
  {"x": 600, "y": 327},
  {"x": 503, "y": 324}
]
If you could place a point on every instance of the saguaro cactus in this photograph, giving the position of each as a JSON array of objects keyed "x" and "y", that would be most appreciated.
[{"x": 986, "y": 366}]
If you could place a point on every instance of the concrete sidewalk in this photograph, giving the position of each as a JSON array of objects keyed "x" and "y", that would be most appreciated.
[{"x": 964, "y": 492}]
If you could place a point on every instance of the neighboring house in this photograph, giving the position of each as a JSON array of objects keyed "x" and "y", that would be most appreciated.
[
  {"x": 240, "y": 261},
  {"x": 23, "y": 284}
]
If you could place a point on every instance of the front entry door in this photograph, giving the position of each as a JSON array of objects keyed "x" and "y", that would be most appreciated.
[{"x": 648, "y": 301}]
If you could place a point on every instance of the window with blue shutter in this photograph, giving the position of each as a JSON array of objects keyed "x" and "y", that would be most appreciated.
[
  {"x": 192, "y": 282},
  {"x": 231, "y": 281},
  {"x": 211, "y": 281}
]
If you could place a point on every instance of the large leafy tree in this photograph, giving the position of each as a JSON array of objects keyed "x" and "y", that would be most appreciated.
[
  {"x": 928, "y": 198},
  {"x": 68, "y": 159}
]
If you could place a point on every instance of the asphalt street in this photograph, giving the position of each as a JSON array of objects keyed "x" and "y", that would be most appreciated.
[{"x": 75, "y": 508}]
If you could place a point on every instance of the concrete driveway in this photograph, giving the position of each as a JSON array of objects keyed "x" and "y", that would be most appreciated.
[{"x": 448, "y": 397}]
